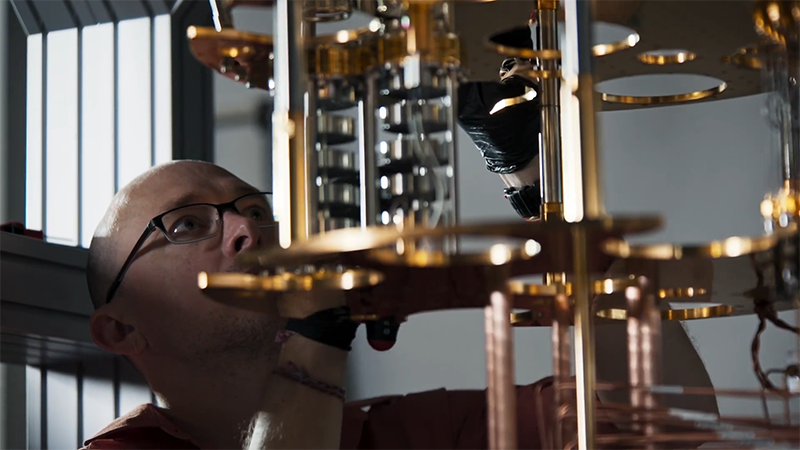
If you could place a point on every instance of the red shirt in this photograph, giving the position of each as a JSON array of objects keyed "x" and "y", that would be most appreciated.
[{"x": 437, "y": 419}]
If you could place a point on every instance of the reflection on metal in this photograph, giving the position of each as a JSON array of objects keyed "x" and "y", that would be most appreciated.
[{"x": 376, "y": 217}]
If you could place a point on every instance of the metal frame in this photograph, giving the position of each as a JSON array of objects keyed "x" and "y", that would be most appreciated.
[{"x": 192, "y": 88}]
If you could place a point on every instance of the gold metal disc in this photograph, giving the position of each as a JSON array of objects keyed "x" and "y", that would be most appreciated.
[{"x": 240, "y": 56}]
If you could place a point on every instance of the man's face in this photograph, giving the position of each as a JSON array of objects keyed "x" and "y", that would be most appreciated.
[{"x": 160, "y": 288}]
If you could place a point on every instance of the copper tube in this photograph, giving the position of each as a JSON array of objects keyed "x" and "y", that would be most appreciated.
[
  {"x": 505, "y": 396},
  {"x": 585, "y": 370},
  {"x": 561, "y": 358},
  {"x": 633, "y": 295},
  {"x": 491, "y": 371}
]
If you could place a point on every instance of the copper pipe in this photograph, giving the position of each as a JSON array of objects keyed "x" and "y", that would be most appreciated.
[
  {"x": 561, "y": 358},
  {"x": 491, "y": 371},
  {"x": 504, "y": 372},
  {"x": 633, "y": 295}
]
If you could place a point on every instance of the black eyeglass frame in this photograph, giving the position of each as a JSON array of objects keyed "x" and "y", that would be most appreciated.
[{"x": 157, "y": 223}]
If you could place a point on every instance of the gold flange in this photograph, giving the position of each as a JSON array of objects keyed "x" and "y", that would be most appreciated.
[
  {"x": 706, "y": 312},
  {"x": 393, "y": 49},
  {"x": 497, "y": 255},
  {"x": 664, "y": 99},
  {"x": 508, "y": 51},
  {"x": 599, "y": 287},
  {"x": 254, "y": 286},
  {"x": 338, "y": 242},
  {"x": 728, "y": 248},
  {"x": 659, "y": 58},
  {"x": 243, "y": 57}
]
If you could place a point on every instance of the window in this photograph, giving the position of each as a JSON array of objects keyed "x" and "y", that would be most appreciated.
[{"x": 99, "y": 113}]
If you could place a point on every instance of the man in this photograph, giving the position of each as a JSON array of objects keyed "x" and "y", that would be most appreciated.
[{"x": 229, "y": 378}]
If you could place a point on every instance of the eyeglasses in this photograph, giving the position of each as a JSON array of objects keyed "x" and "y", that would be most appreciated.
[{"x": 198, "y": 222}]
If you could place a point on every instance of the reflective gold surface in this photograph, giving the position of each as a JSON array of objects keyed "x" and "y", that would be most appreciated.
[
  {"x": 246, "y": 285},
  {"x": 664, "y": 99},
  {"x": 240, "y": 56},
  {"x": 599, "y": 287},
  {"x": 705, "y": 312},
  {"x": 665, "y": 57},
  {"x": 727, "y": 248}
]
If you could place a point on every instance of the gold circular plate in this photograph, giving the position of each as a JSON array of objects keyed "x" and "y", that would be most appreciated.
[
  {"x": 728, "y": 248},
  {"x": 337, "y": 242},
  {"x": 664, "y": 99},
  {"x": 666, "y": 57},
  {"x": 254, "y": 286},
  {"x": 240, "y": 56},
  {"x": 705, "y": 312},
  {"x": 599, "y": 287}
]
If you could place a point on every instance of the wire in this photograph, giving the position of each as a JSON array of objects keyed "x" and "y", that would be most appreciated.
[{"x": 428, "y": 160}]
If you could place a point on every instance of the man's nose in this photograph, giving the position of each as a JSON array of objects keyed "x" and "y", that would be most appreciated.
[{"x": 239, "y": 234}]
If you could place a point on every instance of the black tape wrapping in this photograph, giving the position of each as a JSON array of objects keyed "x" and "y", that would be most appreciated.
[
  {"x": 331, "y": 327},
  {"x": 509, "y": 139},
  {"x": 527, "y": 201}
]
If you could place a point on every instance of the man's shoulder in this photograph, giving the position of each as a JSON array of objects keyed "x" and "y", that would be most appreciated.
[{"x": 144, "y": 427}]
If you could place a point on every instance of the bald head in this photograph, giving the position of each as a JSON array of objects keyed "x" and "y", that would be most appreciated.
[{"x": 159, "y": 189}]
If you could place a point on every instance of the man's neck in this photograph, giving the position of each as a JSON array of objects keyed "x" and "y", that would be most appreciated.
[
  {"x": 217, "y": 404},
  {"x": 214, "y": 407}
]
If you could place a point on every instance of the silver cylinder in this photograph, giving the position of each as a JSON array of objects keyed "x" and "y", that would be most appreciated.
[{"x": 550, "y": 101}]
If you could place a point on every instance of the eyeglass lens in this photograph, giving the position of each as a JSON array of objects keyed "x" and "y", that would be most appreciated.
[{"x": 195, "y": 222}]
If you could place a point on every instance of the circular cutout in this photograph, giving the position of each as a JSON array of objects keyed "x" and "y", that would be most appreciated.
[
  {"x": 688, "y": 311},
  {"x": 666, "y": 56},
  {"x": 659, "y": 89},
  {"x": 608, "y": 38}
]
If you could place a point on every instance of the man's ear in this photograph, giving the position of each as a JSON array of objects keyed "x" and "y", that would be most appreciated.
[{"x": 114, "y": 334}]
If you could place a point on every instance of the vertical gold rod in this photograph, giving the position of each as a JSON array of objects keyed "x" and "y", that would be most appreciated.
[
  {"x": 550, "y": 100},
  {"x": 593, "y": 205},
  {"x": 584, "y": 342},
  {"x": 291, "y": 177}
]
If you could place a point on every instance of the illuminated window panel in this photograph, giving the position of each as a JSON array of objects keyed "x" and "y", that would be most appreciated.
[
  {"x": 162, "y": 89},
  {"x": 61, "y": 138},
  {"x": 33, "y": 138},
  {"x": 97, "y": 127},
  {"x": 134, "y": 100}
]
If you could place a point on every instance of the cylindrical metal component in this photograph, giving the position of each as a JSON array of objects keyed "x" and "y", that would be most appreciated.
[
  {"x": 644, "y": 352},
  {"x": 402, "y": 152},
  {"x": 336, "y": 94},
  {"x": 367, "y": 157},
  {"x": 418, "y": 183},
  {"x": 408, "y": 117},
  {"x": 561, "y": 359},
  {"x": 491, "y": 383},
  {"x": 339, "y": 194},
  {"x": 336, "y": 160},
  {"x": 326, "y": 10},
  {"x": 550, "y": 101},
  {"x": 584, "y": 341},
  {"x": 582, "y": 11},
  {"x": 293, "y": 184},
  {"x": 501, "y": 393},
  {"x": 452, "y": 159},
  {"x": 335, "y": 130}
]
